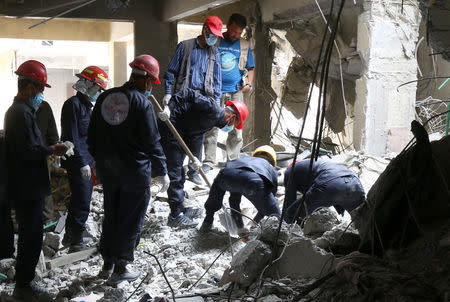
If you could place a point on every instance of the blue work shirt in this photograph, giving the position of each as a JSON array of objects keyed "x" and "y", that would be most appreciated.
[
  {"x": 123, "y": 138},
  {"x": 75, "y": 116},
  {"x": 26, "y": 155},
  {"x": 231, "y": 74},
  {"x": 258, "y": 165},
  {"x": 194, "y": 114},
  {"x": 199, "y": 65},
  {"x": 322, "y": 172}
]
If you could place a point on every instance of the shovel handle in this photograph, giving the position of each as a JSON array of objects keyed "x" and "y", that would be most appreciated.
[{"x": 180, "y": 140}]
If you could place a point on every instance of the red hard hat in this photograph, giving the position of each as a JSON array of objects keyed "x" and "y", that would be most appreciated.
[
  {"x": 242, "y": 109},
  {"x": 96, "y": 75},
  {"x": 148, "y": 64},
  {"x": 215, "y": 25},
  {"x": 34, "y": 70}
]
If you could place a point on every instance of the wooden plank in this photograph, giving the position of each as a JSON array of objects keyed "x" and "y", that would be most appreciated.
[{"x": 71, "y": 258}]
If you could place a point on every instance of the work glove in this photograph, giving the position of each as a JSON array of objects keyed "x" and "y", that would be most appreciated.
[
  {"x": 166, "y": 99},
  {"x": 195, "y": 164},
  {"x": 165, "y": 114},
  {"x": 69, "y": 151},
  {"x": 86, "y": 172},
  {"x": 162, "y": 181}
]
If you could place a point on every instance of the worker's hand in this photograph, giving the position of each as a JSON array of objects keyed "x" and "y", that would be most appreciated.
[
  {"x": 59, "y": 149},
  {"x": 246, "y": 88},
  {"x": 69, "y": 151},
  {"x": 164, "y": 181},
  {"x": 166, "y": 99},
  {"x": 165, "y": 114},
  {"x": 196, "y": 164},
  {"x": 86, "y": 172}
]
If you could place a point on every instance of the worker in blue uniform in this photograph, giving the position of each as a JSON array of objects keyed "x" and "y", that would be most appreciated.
[
  {"x": 28, "y": 182},
  {"x": 6, "y": 225},
  {"x": 124, "y": 140},
  {"x": 255, "y": 178},
  {"x": 192, "y": 115},
  {"x": 331, "y": 185},
  {"x": 75, "y": 117}
]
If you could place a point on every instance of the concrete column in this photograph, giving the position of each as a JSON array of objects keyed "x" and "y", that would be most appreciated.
[
  {"x": 386, "y": 41},
  {"x": 119, "y": 67}
]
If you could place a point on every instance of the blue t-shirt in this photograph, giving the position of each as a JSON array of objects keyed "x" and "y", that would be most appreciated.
[{"x": 231, "y": 75}]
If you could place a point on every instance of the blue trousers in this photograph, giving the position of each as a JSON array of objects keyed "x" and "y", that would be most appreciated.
[
  {"x": 241, "y": 182},
  {"x": 344, "y": 193},
  {"x": 29, "y": 218},
  {"x": 79, "y": 206},
  {"x": 122, "y": 222},
  {"x": 6, "y": 231},
  {"x": 175, "y": 156}
]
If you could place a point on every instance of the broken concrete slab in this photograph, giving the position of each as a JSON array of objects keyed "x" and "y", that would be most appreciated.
[
  {"x": 6, "y": 264},
  {"x": 70, "y": 258},
  {"x": 302, "y": 259},
  {"x": 248, "y": 263},
  {"x": 270, "y": 298},
  {"x": 320, "y": 222},
  {"x": 338, "y": 241}
]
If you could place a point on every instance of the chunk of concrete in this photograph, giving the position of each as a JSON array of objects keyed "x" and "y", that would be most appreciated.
[
  {"x": 53, "y": 240},
  {"x": 302, "y": 259},
  {"x": 270, "y": 298},
  {"x": 320, "y": 222},
  {"x": 114, "y": 295},
  {"x": 269, "y": 230},
  {"x": 70, "y": 258},
  {"x": 338, "y": 241},
  {"x": 248, "y": 263},
  {"x": 6, "y": 264}
]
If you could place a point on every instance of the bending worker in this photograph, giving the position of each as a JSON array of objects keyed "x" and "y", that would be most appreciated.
[
  {"x": 75, "y": 117},
  {"x": 254, "y": 177},
  {"x": 123, "y": 138},
  {"x": 28, "y": 182},
  {"x": 331, "y": 185},
  {"x": 192, "y": 114},
  {"x": 196, "y": 65}
]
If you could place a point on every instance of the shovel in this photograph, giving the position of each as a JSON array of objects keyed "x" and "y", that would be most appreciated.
[{"x": 230, "y": 225}]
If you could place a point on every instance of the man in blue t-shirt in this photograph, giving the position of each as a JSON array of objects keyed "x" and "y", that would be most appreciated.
[{"x": 237, "y": 78}]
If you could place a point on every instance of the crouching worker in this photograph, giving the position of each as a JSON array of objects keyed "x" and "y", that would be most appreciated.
[
  {"x": 331, "y": 185},
  {"x": 123, "y": 138},
  {"x": 254, "y": 177},
  {"x": 192, "y": 114}
]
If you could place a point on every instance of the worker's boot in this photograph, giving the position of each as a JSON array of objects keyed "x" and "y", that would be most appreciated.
[
  {"x": 107, "y": 270},
  {"x": 194, "y": 176},
  {"x": 122, "y": 273},
  {"x": 181, "y": 221},
  {"x": 80, "y": 246},
  {"x": 192, "y": 213},
  {"x": 31, "y": 293},
  {"x": 207, "y": 224}
]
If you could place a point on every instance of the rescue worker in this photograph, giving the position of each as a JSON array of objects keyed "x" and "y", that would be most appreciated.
[
  {"x": 192, "y": 114},
  {"x": 49, "y": 133},
  {"x": 196, "y": 65},
  {"x": 331, "y": 185},
  {"x": 28, "y": 182},
  {"x": 255, "y": 178},
  {"x": 123, "y": 138},
  {"x": 6, "y": 225},
  {"x": 75, "y": 117},
  {"x": 237, "y": 78}
]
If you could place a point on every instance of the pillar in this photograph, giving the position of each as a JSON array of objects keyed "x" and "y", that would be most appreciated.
[{"x": 386, "y": 41}]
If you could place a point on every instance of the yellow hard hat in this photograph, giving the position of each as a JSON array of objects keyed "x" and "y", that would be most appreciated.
[{"x": 268, "y": 150}]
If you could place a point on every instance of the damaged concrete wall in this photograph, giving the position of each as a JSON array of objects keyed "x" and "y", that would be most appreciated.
[{"x": 386, "y": 40}]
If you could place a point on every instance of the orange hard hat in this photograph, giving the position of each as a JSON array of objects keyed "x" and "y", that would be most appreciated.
[
  {"x": 149, "y": 65},
  {"x": 241, "y": 108},
  {"x": 96, "y": 75},
  {"x": 34, "y": 70}
]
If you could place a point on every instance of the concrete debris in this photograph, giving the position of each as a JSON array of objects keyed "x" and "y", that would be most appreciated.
[
  {"x": 302, "y": 259},
  {"x": 70, "y": 258},
  {"x": 320, "y": 221},
  {"x": 113, "y": 295},
  {"x": 269, "y": 230},
  {"x": 92, "y": 228},
  {"x": 53, "y": 240},
  {"x": 338, "y": 241},
  {"x": 6, "y": 264},
  {"x": 271, "y": 298},
  {"x": 249, "y": 262},
  {"x": 92, "y": 297}
]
